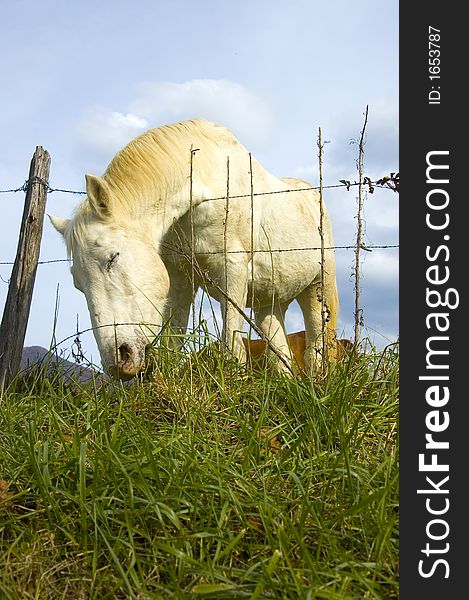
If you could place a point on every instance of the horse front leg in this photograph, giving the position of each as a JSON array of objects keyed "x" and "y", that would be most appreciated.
[
  {"x": 233, "y": 320},
  {"x": 178, "y": 306},
  {"x": 310, "y": 304},
  {"x": 271, "y": 321}
]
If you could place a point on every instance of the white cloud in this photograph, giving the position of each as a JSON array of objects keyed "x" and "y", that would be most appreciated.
[
  {"x": 226, "y": 102},
  {"x": 103, "y": 132},
  {"x": 308, "y": 173},
  {"x": 381, "y": 267},
  {"x": 381, "y": 141}
]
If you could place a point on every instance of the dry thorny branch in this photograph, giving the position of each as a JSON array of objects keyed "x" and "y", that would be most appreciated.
[{"x": 391, "y": 181}]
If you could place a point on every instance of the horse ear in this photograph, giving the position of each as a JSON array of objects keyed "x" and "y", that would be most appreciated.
[
  {"x": 59, "y": 224},
  {"x": 99, "y": 195}
]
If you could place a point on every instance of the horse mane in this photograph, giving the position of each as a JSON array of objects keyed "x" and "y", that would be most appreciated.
[
  {"x": 156, "y": 164},
  {"x": 153, "y": 166}
]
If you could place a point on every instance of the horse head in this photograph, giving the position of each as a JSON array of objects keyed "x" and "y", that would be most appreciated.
[{"x": 116, "y": 266}]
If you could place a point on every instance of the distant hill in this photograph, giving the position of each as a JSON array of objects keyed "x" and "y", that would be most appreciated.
[{"x": 37, "y": 356}]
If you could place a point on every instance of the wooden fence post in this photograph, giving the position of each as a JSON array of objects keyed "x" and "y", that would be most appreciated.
[
  {"x": 358, "y": 310},
  {"x": 20, "y": 289},
  {"x": 321, "y": 235}
]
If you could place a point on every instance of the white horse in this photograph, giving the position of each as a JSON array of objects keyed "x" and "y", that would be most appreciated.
[{"x": 146, "y": 228}]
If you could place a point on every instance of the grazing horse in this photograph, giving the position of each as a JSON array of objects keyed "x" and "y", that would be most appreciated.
[{"x": 168, "y": 216}]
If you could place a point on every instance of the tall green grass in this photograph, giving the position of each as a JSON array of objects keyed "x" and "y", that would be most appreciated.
[{"x": 204, "y": 481}]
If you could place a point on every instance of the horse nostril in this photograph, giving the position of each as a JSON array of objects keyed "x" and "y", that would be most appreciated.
[
  {"x": 125, "y": 353},
  {"x": 127, "y": 362}
]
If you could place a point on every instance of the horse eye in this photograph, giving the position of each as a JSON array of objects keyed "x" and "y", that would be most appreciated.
[{"x": 112, "y": 260}]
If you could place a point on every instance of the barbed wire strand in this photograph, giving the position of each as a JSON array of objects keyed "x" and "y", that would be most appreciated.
[
  {"x": 349, "y": 247},
  {"x": 391, "y": 185}
]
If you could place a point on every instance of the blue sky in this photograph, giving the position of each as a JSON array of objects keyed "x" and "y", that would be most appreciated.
[{"x": 83, "y": 78}]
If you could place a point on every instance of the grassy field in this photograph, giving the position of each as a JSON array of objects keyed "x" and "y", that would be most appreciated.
[{"x": 206, "y": 482}]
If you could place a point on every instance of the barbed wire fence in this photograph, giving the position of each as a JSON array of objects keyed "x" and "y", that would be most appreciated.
[
  {"x": 391, "y": 182},
  {"x": 388, "y": 182}
]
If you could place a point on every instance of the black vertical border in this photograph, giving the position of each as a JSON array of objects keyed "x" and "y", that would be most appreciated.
[{"x": 424, "y": 128}]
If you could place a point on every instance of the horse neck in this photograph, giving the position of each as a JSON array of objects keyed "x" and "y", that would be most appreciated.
[{"x": 178, "y": 205}]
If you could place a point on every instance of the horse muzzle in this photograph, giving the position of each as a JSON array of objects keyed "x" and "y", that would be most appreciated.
[{"x": 129, "y": 362}]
